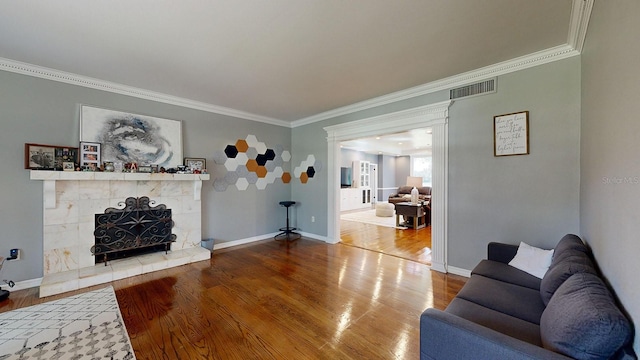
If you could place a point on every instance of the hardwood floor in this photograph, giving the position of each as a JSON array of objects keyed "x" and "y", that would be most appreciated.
[
  {"x": 408, "y": 244},
  {"x": 272, "y": 300}
]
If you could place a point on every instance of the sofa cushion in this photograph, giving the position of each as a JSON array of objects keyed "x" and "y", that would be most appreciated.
[
  {"x": 573, "y": 262},
  {"x": 514, "y": 300},
  {"x": 582, "y": 320},
  {"x": 507, "y": 273},
  {"x": 532, "y": 260},
  {"x": 567, "y": 246},
  {"x": 495, "y": 320}
]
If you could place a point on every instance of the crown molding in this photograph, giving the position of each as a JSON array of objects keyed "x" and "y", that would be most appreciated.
[
  {"x": 88, "y": 82},
  {"x": 517, "y": 64},
  {"x": 580, "y": 15}
]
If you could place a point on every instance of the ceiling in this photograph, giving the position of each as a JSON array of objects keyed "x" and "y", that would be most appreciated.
[
  {"x": 280, "y": 60},
  {"x": 413, "y": 142}
]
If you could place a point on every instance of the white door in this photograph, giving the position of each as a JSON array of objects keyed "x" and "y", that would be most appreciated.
[{"x": 374, "y": 182}]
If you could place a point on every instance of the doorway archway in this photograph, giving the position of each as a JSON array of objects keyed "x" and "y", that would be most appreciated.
[{"x": 434, "y": 116}]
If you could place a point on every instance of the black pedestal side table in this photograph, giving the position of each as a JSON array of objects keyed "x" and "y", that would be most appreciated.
[{"x": 288, "y": 232}]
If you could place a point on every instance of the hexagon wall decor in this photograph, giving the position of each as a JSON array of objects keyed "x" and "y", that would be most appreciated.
[{"x": 250, "y": 162}]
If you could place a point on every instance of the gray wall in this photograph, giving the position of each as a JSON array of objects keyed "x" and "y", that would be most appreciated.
[
  {"x": 532, "y": 198},
  {"x": 348, "y": 156},
  {"x": 610, "y": 169},
  {"x": 41, "y": 111},
  {"x": 403, "y": 169}
]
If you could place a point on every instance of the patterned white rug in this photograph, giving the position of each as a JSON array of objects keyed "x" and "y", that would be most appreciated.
[
  {"x": 85, "y": 326},
  {"x": 369, "y": 217}
]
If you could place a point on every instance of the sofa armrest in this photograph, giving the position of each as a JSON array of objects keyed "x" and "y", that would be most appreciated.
[
  {"x": 501, "y": 252},
  {"x": 444, "y": 336}
]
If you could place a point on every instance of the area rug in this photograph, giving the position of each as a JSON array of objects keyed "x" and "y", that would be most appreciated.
[
  {"x": 85, "y": 326},
  {"x": 369, "y": 217}
]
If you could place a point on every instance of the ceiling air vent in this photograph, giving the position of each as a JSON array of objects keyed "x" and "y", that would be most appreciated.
[{"x": 483, "y": 87}]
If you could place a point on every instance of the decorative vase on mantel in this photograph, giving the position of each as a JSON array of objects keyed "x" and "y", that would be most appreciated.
[{"x": 414, "y": 196}]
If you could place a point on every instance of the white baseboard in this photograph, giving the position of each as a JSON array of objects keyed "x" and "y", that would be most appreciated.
[
  {"x": 25, "y": 284},
  {"x": 459, "y": 271}
]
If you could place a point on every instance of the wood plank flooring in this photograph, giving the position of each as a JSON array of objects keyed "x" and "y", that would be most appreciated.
[
  {"x": 273, "y": 300},
  {"x": 408, "y": 244}
]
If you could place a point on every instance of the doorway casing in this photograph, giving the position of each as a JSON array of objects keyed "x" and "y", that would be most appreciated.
[{"x": 436, "y": 117}]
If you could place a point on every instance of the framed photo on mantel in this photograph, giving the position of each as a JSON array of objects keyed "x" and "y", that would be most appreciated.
[
  {"x": 48, "y": 157},
  {"x": 511, "y": 134}
]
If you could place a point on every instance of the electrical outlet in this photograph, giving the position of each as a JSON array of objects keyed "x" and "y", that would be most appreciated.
[
  {"x": 313, "y": 219},
  {"x": 14, "y": 254}
]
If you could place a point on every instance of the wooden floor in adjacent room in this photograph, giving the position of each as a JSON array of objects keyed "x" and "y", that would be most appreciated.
[
  {"x": 408, "y": 244},
  {"x": 273, "y": 300}
]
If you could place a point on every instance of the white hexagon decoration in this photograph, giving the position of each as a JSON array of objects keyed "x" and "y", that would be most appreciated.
[
  {"x": 286, "y": 156},
  {"x": 242, "y": 158},
  {"x": 251, "y": 140},
  {"x": 278, "y": 171},
  {"x": 298, "y": 170},
  {"x": 310, "y": 160},
  {"x": 261, "y": 147},
  {"x": 242, "y": 184},
  {"x": 231, "y": 164},
  {"x": 261, "y": 184}
]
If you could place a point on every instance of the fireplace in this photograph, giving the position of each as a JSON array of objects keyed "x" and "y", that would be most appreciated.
[
  {"x": 70, "y": 202},
  {"x": 137, "y": 228}
]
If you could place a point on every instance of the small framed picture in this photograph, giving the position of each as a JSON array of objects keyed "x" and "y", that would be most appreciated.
[
  {"x": 68, "y": 166},
  {"x": 145, "y": 169},
  {"x": 195, "y": 163},
  {"x": 90, "y": 154}
]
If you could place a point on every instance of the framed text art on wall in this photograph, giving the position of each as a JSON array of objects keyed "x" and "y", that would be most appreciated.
[
  {"x": 132, "y": 138},
  {"x": 511, "y": 134}
]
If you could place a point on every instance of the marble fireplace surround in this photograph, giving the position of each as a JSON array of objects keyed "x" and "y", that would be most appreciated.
[{"x": 70, "y": 201}]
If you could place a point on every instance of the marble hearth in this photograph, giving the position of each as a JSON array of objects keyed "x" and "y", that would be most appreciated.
[{"x": 70, "y": 201}]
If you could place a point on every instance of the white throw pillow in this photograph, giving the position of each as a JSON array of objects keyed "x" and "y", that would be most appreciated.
[{"x": 532, "y": 260}]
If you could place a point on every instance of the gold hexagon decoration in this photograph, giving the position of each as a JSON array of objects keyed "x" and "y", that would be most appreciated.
[
  {"x": 304, "y": 178},
  {"x": 252, "y": 165},
  {"x": 261, "y": 171},
  {"x": 242, "y": 145},
  {"x": 286, "y": 177}
]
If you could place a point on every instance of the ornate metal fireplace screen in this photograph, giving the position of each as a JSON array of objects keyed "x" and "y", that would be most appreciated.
[{"x": 137, "y": 226}]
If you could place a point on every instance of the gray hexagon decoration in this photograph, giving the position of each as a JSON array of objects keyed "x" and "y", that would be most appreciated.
[
  {"x": 252, "y": 153},
  {"x": 252, "y": 177},
  {"x": 219, "y": 157},
  {"x": 231, "y": 177},
  {"x": 270, "y": 165},
  {"x": 220, "y": 184}
]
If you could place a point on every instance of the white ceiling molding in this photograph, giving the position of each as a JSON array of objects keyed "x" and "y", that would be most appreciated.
[
  {"x": 521, "y": 63},
  {"x": 386, "y": 123},
  {"x": 74, "y": 79},
  {"x": 580, "y": 14}
]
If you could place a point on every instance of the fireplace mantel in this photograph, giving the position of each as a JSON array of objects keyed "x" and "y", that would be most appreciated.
[
  {"x": 70, "y": 202},
  {"x": 50, "y": 178}
]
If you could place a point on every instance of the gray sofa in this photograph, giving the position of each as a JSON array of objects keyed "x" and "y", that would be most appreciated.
[{"x": 505, "y": 313}]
